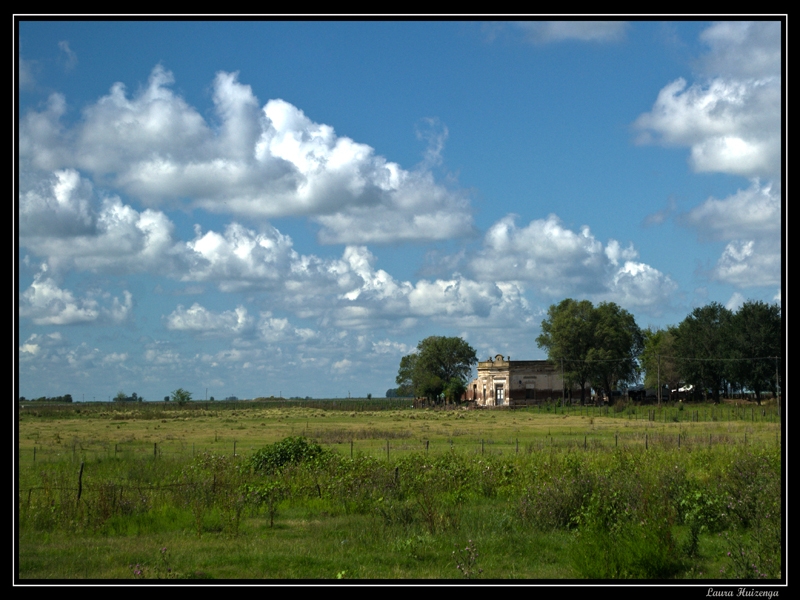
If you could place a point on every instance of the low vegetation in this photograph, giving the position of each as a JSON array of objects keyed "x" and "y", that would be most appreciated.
[{"x": 547, "y": 493}]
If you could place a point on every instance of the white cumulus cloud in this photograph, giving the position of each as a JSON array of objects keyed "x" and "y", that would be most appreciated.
[
  {"x": 198, "y": 319},
  {"x": 557, "y": 261},
  {"x": 45, "y": 303},
  {"x": 255, "y": 162},
  {"x": 731, "y": 121}
]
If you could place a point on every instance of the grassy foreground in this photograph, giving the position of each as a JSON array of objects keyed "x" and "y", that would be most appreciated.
[{"x": 156, "y": 492}]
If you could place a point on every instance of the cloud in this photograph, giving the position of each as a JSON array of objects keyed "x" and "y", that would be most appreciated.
[
  {"x": 254, "y": 162},
  {"x": 559, "y": 262},
  {"x": 198, "y": 319},
  {"x": 735, "y": 301},
  {"x": 69, "y": 58},
  {"x": 40, "y": 343},
  {"x": 57, "y": 206},
  {"x": 749, "y": 263},
  {"x": 750, "y": 221},
  {"x": 44, "y": 143},
  {"x": 544, "y": 32},
  {"x": 389, "y": 347},
  {"x": 661, "y": 216},
  {"x": 27, "y": 80},
  {"x": 731, "y": 122},
  {"x": 113, "y": 237},
  {"x": 742, "y": 49},
  {"x": 753, "y": 212},
  {"x": 731, "y": 126},
  {"x": 45, "y": 303},
  {"x": 240, "y": 258}
]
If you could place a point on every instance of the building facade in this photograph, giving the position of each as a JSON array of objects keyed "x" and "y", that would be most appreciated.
[{"x": 503, "y": 382}]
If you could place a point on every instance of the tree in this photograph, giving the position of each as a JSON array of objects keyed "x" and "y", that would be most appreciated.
[
  {"x": 181, "y": 396},
  {"x": 754, "y": 338},
  {"x": 701, "y": 348},
  {"x": 658, "y": 359},
  {"x": 598, "y": 346},
  {"x": 440, "y": 365},
  {"x": 120, "y": 397},
  {"x": 568, "y": 335},
  {"x": 616, "y": 345}
]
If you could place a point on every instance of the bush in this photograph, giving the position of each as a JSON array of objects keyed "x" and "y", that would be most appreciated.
[
  {"x": 622, "y": 536},
  {"x": 290, "y": 450}
]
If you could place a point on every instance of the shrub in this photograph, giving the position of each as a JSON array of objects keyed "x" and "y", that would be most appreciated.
[
  {"x": 290, "y": 450},
  {"x": 624, "y": 537}
]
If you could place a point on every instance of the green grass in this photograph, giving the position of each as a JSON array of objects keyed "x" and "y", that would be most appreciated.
[{"x": 535, "y": 494}]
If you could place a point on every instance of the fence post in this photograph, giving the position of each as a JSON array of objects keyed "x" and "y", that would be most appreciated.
[
  {"x": 80, "y": 482},
  {"x": 351, "y": 449},
  {"x": 155, "y": 450}
]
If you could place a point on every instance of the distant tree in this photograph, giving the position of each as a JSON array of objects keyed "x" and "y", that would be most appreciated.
[
  {"x": 658, "y": 358},
  {"x": 211, "y": 398},
  {"x": 701, "y": 348},
  {"x": 369, "y": 396},
  {"x": 754, "y": 338},
  {"x": 594, "y": 345},
  {"x": 405, "y": 374},
  {"x": 568, "y": 336},
  {"x": 181, "y": 396},
  {"x": 120, "y": 397},
  {"x": 617, "y": 343},
  {"x": 439, "y": 363},
  {"x": 166, "y": 398}
]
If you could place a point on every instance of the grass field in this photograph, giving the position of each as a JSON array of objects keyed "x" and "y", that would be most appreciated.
[{"x": 162, "y": 491}]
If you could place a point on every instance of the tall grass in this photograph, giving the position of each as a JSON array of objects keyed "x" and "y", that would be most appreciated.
[{"x": 298, "y": 509}]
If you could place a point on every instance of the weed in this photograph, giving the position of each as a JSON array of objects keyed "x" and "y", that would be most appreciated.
[{"x": 466, "y": 560}]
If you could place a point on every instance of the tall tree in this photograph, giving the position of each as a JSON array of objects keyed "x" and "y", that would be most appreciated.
[
  {"x": 440, "y": 364},
  {"x": 617, "y": 343},
  {"x": 568, "y": 335},
  {"x": 702, "y": 349},
  {"x": 658, "y": 358},
  {"x": 754, "y": 339}
]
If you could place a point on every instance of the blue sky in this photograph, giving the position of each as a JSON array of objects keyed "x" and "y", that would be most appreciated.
[{"x": 255, "y": 208}]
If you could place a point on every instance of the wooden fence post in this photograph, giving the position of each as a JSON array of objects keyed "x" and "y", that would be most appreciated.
[{"x": 80, "y": 482}]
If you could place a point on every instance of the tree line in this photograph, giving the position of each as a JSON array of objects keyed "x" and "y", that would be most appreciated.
[
  {"x": 64, "y": 398},
  {"x": 718, "y": 351},
  {"x": 713, "y": 351}
]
